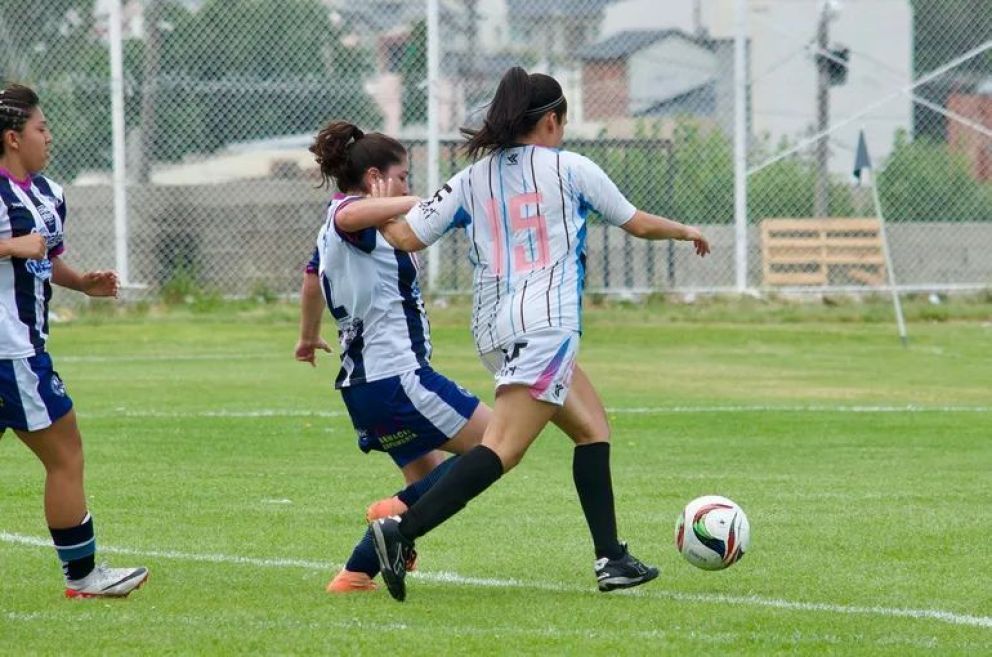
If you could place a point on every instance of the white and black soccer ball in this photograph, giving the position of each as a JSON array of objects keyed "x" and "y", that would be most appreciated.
[{"x": 712, "y": 532}]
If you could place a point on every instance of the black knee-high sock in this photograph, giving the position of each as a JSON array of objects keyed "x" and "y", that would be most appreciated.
[
  {"x": 475, "y": 472},
  {"x": 591, "y": 473},
  {"x": 76, "y": 547}
]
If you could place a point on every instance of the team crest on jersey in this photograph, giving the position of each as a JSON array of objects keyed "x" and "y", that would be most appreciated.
[
  {"x": 51, "y": 233},
  {"x": 57, "y": 386}
]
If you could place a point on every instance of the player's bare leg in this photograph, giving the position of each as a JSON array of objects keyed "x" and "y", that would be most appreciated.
[
  {"x": 583, "y": 418},
  {"x": 59, "y": 447}
]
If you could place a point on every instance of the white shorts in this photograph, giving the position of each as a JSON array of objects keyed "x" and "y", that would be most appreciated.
[{"x": 542, "y": 360}]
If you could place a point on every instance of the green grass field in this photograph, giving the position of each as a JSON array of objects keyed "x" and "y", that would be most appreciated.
[{"x": 232, "y": 472}]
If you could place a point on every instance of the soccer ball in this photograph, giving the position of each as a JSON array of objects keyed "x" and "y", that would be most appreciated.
[{"x": 712, "y": 532}]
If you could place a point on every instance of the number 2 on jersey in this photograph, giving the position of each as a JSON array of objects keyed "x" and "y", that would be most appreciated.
[{"x": 528, "y": 235}]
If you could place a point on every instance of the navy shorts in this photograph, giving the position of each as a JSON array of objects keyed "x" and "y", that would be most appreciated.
[
  {"x": 408, "y": 415},
  {"x": 32, "y": 396}
]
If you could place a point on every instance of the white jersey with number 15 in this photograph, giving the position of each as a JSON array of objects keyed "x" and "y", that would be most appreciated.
[{"x": 524, "y": 210}]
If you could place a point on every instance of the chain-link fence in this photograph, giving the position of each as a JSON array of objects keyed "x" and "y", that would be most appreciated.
[{"x": 221, "y": 99}]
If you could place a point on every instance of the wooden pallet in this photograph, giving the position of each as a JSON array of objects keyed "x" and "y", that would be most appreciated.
[{"x": 799, "y": 252}]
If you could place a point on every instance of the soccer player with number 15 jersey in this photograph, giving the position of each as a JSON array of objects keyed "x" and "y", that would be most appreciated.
[{"x": 523, "y": 204}]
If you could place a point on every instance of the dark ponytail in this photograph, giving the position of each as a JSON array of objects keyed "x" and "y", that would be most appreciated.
[
  {"x": 17, "y": 102},
  {"x": 344, "y": 153},
  {"x": 521, "y": 101}
]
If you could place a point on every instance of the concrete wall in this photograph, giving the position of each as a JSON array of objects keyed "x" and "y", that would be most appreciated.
[
  {"x": 244, "y": 236},
  {"x": 235, "y": 237}
]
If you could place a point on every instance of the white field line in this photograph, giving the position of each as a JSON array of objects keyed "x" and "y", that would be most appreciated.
[
  {"x": 984, "y": 622},
  {"x": 219, "y": 413},
  {"x": 905, "y": 408},
  {"x": 671, "y": 633},
  {"x": 641, "y": 410},
  {"x": 166, "y": 357}
]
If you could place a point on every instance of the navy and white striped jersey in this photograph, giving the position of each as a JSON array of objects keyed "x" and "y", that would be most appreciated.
[
  {"x": 524, "y": 210},
  {"x": 371, "y": 290},
  {"x": 33, "y": 206}
]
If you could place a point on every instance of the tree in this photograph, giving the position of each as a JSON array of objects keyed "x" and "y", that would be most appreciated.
[
  {"x": 254, "y": 69},
  {"x": 413, "y": 70},
  {"x": 52, "y": 47},
  {"x": 944, "y": 30},
  {"x": 926, "y": 181}
]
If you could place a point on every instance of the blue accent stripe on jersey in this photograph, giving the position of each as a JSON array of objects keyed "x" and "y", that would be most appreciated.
[
  {"x": 561, "y": 190},
  {"x": 46, "y": 284},
  {"x": 22, "y": 223},
  {"x": 504, "y": 217},
  {"x": 407, "y": 284},
  {"x": 461, "y": 219},
  {"x": 337, "y": 312},
  {"x": 547, "y": 295},
  {"x": 580, "y": 262},
  {"x": 355, "y": 354},
  {"x": 530, "y": 233},
  {"x": 313, "y": 266},
  {"x": 471, "y": 196},
  {"x": 585, "y": 206},
  {"x": 506, "y": 236},
  {"x": 492, "y": 196},
  {"x": 364, "y": 240},
  {"x": 42, "y": 184}
]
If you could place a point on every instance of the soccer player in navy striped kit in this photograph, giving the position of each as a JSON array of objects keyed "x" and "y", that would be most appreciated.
[
  {"x": 398, "y": 404},
  {"x": 523, "y": 204},
  {"x": 33, "y": 400}
]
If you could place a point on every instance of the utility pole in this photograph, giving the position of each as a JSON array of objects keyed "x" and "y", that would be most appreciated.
[
  {"x": 152, "y": 68},
  {"x": 821, "y": 190},
  {"x": 470, "y": 70}
]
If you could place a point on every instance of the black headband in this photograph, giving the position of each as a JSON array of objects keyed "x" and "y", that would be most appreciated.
[{"x": 546, "y": 108}]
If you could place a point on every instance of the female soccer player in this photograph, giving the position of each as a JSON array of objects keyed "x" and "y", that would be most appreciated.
[
  {"x": 524, "y": 206},
  {"x": 33, "y": 399},
  {"x": 397, "y": 403}
]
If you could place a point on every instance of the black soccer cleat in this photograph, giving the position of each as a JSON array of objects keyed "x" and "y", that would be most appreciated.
[
  {"x": 623, "y": 572},
  {"x": 394, "y": 552}
]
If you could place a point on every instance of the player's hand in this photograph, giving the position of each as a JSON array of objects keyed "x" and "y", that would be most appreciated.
[
  {"x": 102, "y": 283},
  {"x": 701, "y": 244},
  {"x": 29, "y": 247},
  {"x": 306, "y": 350},
  {"x": 382, "y": 187}
]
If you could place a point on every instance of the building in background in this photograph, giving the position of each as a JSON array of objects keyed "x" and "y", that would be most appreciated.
[
  {"x": 659, "y": 75},
  {"x": 977, "y": 108},
  {"x": 782, "y": 69}
]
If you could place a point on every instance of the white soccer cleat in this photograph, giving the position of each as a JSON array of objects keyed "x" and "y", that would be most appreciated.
[{"x": 106, "y": 582}]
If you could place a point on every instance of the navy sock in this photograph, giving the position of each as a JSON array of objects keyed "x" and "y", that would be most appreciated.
[
  {"x": 476, "y": 471},
  {"x": 415, "y": 491},
  {"x": 591, "y": 474},
  {"x": 76, "y": 547},
  {"x": 363, "y": 558}
]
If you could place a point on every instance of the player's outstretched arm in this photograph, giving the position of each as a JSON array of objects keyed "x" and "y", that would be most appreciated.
[
  {"x": 400, "y": 236},
  {"x": 101, "y": 283},
  {"x": 311, "y": 313},
  {"x": 652, "y": 227},
  {"x": 372, "y": 211}
]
